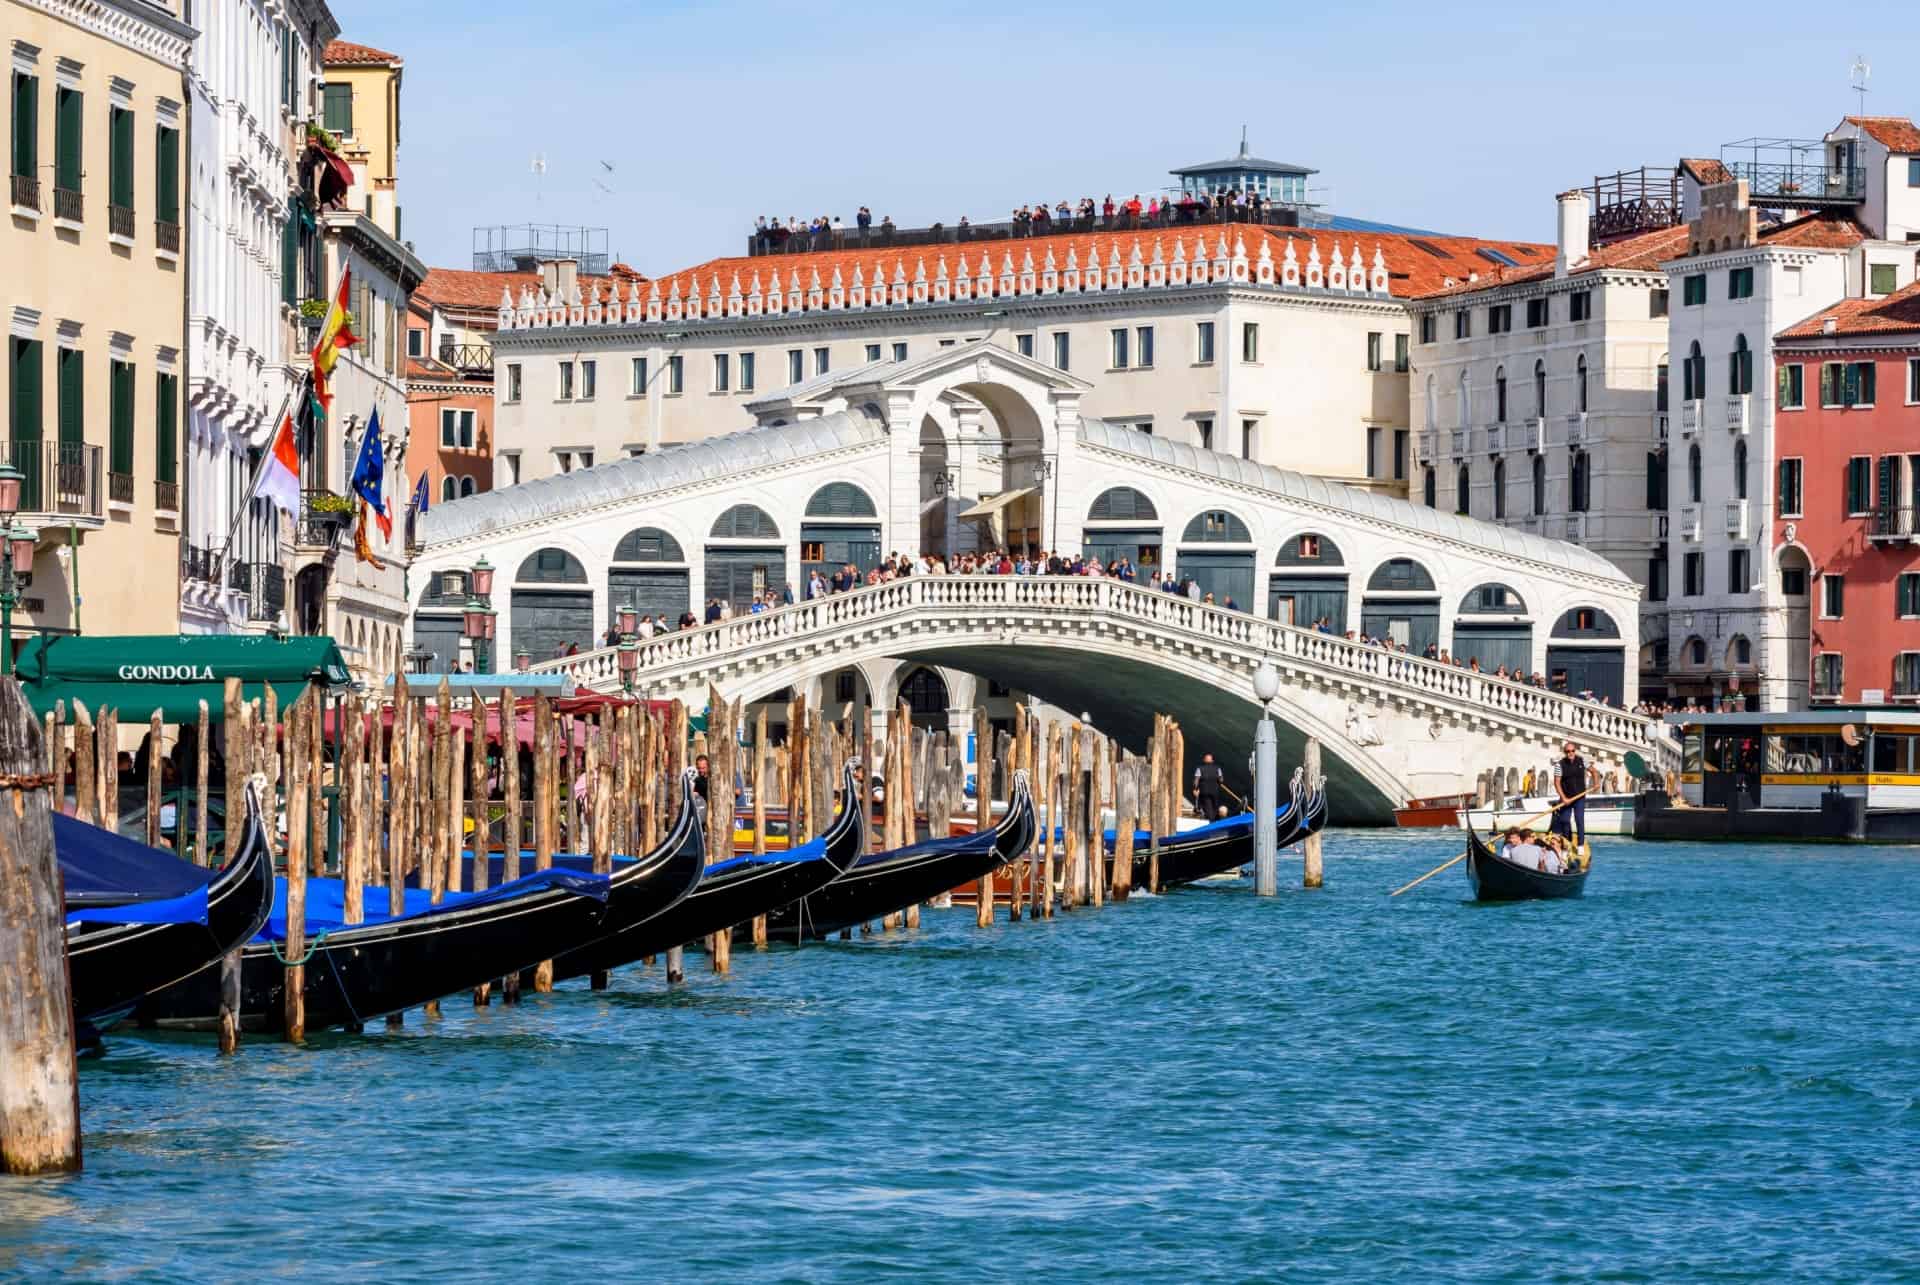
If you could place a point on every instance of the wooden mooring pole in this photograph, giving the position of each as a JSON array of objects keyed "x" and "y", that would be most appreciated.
[
  {"x": 39, "y": 1082},
  {"x": 1310, "y": 865}
]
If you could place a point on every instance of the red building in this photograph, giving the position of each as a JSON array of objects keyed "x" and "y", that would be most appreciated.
[{"x": 1847, "y": 493}]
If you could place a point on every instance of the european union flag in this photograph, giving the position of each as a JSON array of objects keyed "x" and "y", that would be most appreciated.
[{"x": 369, "y": 471}]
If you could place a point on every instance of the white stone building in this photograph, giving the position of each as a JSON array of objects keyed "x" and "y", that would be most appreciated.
[
  {"x": 1285, "y": 346},
  {"x": 1540, "y": 399},
  {"x": 253, "y": 80}
]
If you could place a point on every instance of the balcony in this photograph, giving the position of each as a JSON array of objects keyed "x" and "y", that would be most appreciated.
[
  {"x": 1428, "y": 445},
  {"x": 323, "y": 516},
  {"x": 26, "y": 193},
  {"x": 1692, "y": 412},
  {"x": 203, "y": 565},
  {"x": 1737, "y": 519},
  {"x": 1690, "y": 523},
  {"x": 60, "y": 480},
  {"x": 471, "y": 360},
  {"x": 1573, "y": 528},
  {"x": 166, "y": 237},
  {"x": 1459, "y": 440},
  {"x": 1496, "y": 438},
  {"x": 269, "y": 596},
  {"x": 1530, "y": 435},
  {"x": 1737, "y": 413},
  {"x": 166, "y": 496},
  {"x": 120, "y": 222},
  {"x": 1895, "y": 525},
  {"x": 1577, "y": 428},
  {"x": 67, "y": 206},
  {"x": 119, "y": 487},
  {"x": 1794, "y": 173}
]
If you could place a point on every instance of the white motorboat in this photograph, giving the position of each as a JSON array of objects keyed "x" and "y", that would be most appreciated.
[{"x": 1606, "y": 814}]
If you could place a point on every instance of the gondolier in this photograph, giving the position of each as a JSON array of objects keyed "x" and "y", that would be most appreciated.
[
  {"x": 1207, "y": 781},
  {"x": 1570, "y": 783}
]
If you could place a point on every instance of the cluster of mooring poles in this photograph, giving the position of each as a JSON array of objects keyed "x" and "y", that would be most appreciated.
[{"x": 426, "y": 790}]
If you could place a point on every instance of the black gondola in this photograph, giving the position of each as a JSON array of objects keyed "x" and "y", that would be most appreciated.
[
  {"x": 1226, "y": 844},
  {"x": 1496, "y": 879},
  {"x": 355, "y": 973},
  {"x": 129, "y": 928},
  {"x": 733, "y": 892},
  {"x": 882, "y": 882}
]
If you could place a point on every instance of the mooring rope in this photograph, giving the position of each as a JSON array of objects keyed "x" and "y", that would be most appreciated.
[{"x": 296, "y": 963}]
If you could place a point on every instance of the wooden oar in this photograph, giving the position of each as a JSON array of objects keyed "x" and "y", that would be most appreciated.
[{"x": 1463, "y": 856}]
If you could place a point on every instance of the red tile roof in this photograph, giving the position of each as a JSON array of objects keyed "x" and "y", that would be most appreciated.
[
  {"x": 461, "y": 288},
  {"x": 1642, "y": 253},
  {"x": 1707, "y": 171},
  {"x": 344, "y": 53},
  {"x": 1893, "y": 314},
  {"x": 1416, "y": 265},
  {"x": 1822, "y": 231},
  {"x": 1896, "y": 133}
]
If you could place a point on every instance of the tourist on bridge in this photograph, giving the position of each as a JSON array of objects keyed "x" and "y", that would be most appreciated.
[
  {"x": 1207, "y": 780},
  {"x": 1569, "y": 781}
]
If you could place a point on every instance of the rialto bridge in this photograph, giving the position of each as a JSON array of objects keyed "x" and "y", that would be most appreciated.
[{"x": 978, "y": 446}]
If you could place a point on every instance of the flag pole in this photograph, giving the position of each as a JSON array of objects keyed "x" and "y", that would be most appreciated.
[{"x": 253, "y": 487}]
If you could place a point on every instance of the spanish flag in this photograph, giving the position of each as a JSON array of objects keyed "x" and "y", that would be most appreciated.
[{"x": 334, "y": 336}]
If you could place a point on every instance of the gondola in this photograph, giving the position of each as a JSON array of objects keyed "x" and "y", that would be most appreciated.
[
  {"x": 732, "y": 892},
  {"x": 882, "y": 882},
  {"x": 1496, "y": 879},
  {"x": 139, "y": 919},
  {"x": 639, "y": 890},
  {"x": 1227, "y": 844},
  {"x": 357, "y": 972}
]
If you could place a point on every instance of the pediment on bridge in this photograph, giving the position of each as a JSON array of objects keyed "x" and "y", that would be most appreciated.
[{"x": 951, "y": 368}]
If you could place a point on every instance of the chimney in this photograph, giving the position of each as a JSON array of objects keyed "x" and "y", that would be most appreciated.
[
  {"x": 1572, "y": 240},
  {"x": 1829, "y": 325},
  {"x": 558, "y": 276}
]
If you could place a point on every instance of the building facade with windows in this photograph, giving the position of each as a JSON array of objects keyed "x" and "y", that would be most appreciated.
[
  {"x": 254, "y": 83},
  {"x": 96, "y": 296},
  {"x": 1846, "y": 539},
  {"x": 1285, "y": 346},
  {"x": 1539, "y": 402},
  {"x": 360, "y": 107}
]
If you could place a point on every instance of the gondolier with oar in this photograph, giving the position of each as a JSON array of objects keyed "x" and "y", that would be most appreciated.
[
  {"x": 1207, "y": 782},
  {"x": 1570, "y": 785}
]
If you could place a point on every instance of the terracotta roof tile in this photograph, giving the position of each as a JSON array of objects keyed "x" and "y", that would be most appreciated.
[
  {"x": 1893, "y": 314},
  {"x": 1707, "y": 171},
  {"x": 1896, "y": 133},
  {"x": 1821, "y": 231},
  {"x": 344, "y": 53},
  {"x": 1416, "y": 265},
  {"x": 461, "y": 288},
  {"x": 1642, "y": 253}
]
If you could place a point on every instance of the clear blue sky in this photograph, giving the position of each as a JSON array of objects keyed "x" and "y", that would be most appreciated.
[{"x": 1460, "y": 118}]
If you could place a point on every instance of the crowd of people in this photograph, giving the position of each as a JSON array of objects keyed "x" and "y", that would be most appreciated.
[{"x": 830, "y": 231}]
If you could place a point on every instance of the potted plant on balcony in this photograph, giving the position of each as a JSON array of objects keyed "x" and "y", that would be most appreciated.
[{"x": 326, "y": 509}]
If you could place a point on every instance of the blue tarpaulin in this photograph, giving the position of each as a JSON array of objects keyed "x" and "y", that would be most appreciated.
[
  {"x": 326, "y": 908},
  {"x": 190, "y": 909},
  {"x": 103, "y": 869}
]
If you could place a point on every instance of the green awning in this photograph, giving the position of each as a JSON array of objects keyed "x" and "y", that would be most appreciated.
[{"x": 138, "y": 674}]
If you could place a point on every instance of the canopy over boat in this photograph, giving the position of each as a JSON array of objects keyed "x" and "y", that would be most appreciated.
[
  {"x": 173, "y": 673},
  {"x": 102, "y": 869}
]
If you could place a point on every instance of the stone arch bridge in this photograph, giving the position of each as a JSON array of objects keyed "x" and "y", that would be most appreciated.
[{"x": 1392, "y": 725}]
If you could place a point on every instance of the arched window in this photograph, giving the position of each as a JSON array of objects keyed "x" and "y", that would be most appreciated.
[
  {"x": 1466, "y": 401},
  {"x": 1463, "y": 493},
  {"x": 1740, "y": 470},
  {"x": 1580, "y": 384},
  {"x": 1740, "y": 367},
  {"x": 1581, "y": 483},
  {"x": 552, "y": 566},
  {"x": 1540, "y": 388},
  {"x": 745, "y": 522},
  {"x": 1500, "y": 394},
  {"x": 1693, "y": 473},
  {"x": 1499, "y": 489},
  {"x": 1493, "y": 600},
  {"x": 840, "y": 500},
  {"x": 447, "y": 491},
  {"x": 1309, "y": 550},
  {"x": 1539, "y": 485},
  {"x": 1122, "y": 504},
  {"x": 1696, "y": 651},
  {"x": 1430, "y": 489},
  {"x": 1585, "y": 622},
  {"x": 1216, "y": 526},
  {"x": 648, "y": 544},
  {"x": 1400, "y": 575},
  {"x": 466, "y": 486},
  {"x": 1693, "y": 374}
]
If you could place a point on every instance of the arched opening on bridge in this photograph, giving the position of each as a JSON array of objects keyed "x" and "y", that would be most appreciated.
[
  {"x": 1492, "y": 627},
  {"x": 437, "y": 624},
  {"x": 1309, "y": 584},
  {"x": 1402, "y": 606},
  {"x": 1216, "y": 552},
  {"x": 925, "y": 694},
  {"x": 841, "y": 526},
  {"x": 1123, "y": 523},
  {"x": 1001, "y": 473},
  {"x": 649, "y": 573},
  {"x": 938, "y": 499},
  {"x": 552, "y": 607},
  {"x": 1585, "y": 654},
  {"x": 745, "y": 558}
]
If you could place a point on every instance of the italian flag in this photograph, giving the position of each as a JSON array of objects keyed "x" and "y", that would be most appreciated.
[
  {"x": 280, "y": 472},
  {"x": 334, "y": 335}
]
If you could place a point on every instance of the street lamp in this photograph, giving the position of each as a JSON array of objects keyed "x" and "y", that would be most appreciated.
[
  {"x": 18, "y": 563},
  {"x": 1266, "y": 786},
  {"x": 483, "y": 578},
  {"x": 626, "y": 622},
  {"x": 477, "y": 624},
  {"x": 629, "y": 664}
]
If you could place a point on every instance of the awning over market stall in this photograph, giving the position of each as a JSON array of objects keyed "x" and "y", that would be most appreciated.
[{"x": 137, "y": 674}]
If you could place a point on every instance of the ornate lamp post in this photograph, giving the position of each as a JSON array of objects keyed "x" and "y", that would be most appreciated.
[
  {"x": 18, "y": 563},
  {"x": 477, "y": 624},
  {"x": 629, "y": 664}
]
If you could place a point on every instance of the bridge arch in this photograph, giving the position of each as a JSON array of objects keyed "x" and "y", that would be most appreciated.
[{"x": 1309, "y": 583}]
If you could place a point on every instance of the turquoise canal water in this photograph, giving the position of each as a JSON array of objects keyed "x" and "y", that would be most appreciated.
[{"x": 1709, "y": 1069}]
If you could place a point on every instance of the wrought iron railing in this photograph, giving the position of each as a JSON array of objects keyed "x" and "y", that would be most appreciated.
[
  {"x": 67, "y": 205},
  {"x": 468, "y": 359},
  {"x": 166, "y": 236},
  {"x": 166, "y": 496},
  {"x": 120, "y": 221},
  {"x": 239, "y": 576},
  {"x": 1895, "y": 524},
  {"x": 26, "y": 192},
  {"x": 120, "y": 487},
  {"x": 57, "y": 477},
  {"x": 321, "y": 524},
  {"x": 269, "y": 591},
  {"x": 201, "y": 564},
  {"x": 1812, "y": 182}
]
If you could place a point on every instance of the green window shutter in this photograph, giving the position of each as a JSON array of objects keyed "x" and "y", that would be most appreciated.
[
  {"x": 120, "y": 158},
  {"x": 120, "y": 420},
  {"x": 336, "y": 106},
  {"x": 166, "y": 166},
  {"x": 73, "y": 389},
  {"x": 24, "y": 377},
  {"x": 290, "y": 260},
  {"x": 26, "y": 125},
  {"x": 167, "y": 421},
  {"x": 68, "y": 106}
]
